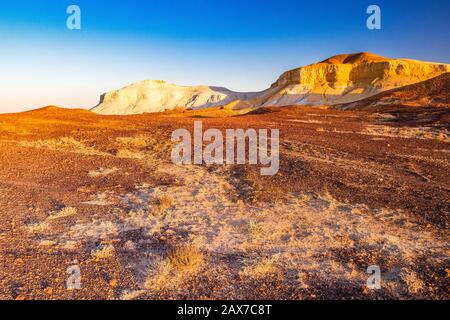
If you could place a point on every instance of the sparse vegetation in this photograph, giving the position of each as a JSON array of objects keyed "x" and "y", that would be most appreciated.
[
  {"x": 102, "y": 172},
  {"x": 67, "y": 144},
  {"x": 187, "y": 259},
  {"x": 104, "y": 252},
  {"x": 40, "y": 227},
  {"x": 180, "y": 264},
  {"x": 160, "y": 204},
  {"x": 140, "y": 145},
  {"x": 129, "y": 154},
  {"x": 64, "y": 212},
  {"x": 143, "y": 228},
  {"x": 255, "y": 230},
  {"x": 260, "y": 269},
  {"x": 425, "y": 133}
]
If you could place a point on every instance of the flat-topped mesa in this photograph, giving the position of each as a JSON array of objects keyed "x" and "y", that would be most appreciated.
[
  {"x": 349, "y": 77},
  {"x": 350, "y": 69}
]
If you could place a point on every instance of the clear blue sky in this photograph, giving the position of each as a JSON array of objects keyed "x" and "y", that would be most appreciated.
[{"x": 243, "y": 45}]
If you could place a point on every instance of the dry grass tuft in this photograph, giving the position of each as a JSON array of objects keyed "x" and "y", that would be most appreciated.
[
  {"x": 67, "y": 144},
  {"x": 138, "y": 146},
  {"x": 425, "y": 133},
  {"x": 129, "y": 154},
  {"x": 255, "y": 230},
  {"x": 136, "y": 142},
  {"x": 40, "y": 227},
  {"x": 412, "y": 281},
  {"x": 131, "y": 294},
  {"x": 101, "y": 172},
  {"x": 104, "y": 252},
  {"x": 181, "y": 264},
  {"x": 160, "y": 204},
  {"x": 65, "y": 212},
  {"x": 187, "y": 259},
  {"x": 260, "y": 269}
]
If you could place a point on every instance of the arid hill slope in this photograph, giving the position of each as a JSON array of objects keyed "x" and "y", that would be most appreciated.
[{"x": 430, "y": 93}]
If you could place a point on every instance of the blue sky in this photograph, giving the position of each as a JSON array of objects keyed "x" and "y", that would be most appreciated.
[{"x": 243, "y": 45}]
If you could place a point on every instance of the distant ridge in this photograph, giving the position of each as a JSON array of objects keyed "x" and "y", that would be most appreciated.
[{"x": 159, "y": 96}]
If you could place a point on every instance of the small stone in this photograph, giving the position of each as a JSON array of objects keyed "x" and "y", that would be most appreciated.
[
  {"x": 365, "y": 290},
  {"x": 113, "y": 283},
  {"x": 48, "y": 290}
]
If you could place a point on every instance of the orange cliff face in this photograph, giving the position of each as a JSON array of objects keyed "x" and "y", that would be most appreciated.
[{"x": 348, "y": 77}]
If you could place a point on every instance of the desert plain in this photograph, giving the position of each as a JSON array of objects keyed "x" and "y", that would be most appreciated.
[{"x": 356, "y": 188}]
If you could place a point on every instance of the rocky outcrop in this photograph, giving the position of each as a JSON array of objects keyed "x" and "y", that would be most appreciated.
[
  {"x": 346, "y": 78},
  {"x": 159, "y": 96}
]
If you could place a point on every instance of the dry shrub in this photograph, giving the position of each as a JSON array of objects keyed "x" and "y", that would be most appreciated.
[
  {"x": 40, "y": 227},
  {"x": 104, "y": 252},
  {"x": 101, "y": 172},
  {"x": 329, "y": 199},
  {"x": 65, "y": 212},
  {"x": 131, "y": 294},
  {"x": 67, "y": 144},
  {"x": 425, "y": 133},
  {"x": 186, "y": 258},
  {"x": 261, "y": 269},
  {"x": 160, "y": 275},
  {"x": 412, "y": 281},
  {"x": 181, "y": 264},
  {"x": 443, "y": 136},
  {"x": 129, "y": 154},
  {"x": 136, "y": 142},
  {"x": 255, "y": 230},
  {"x": 160, "y": 204},
  {"x": 143, "y": 143}
]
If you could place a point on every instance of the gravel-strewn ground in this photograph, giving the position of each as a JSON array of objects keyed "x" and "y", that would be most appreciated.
[{"x": 100, "y": 192}]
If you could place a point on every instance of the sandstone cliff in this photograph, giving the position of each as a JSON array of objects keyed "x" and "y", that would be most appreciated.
[{"x": 346, "y": 78}]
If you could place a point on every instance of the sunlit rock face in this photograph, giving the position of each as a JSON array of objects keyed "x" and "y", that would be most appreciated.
[{"x": 347, "y": 78}]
